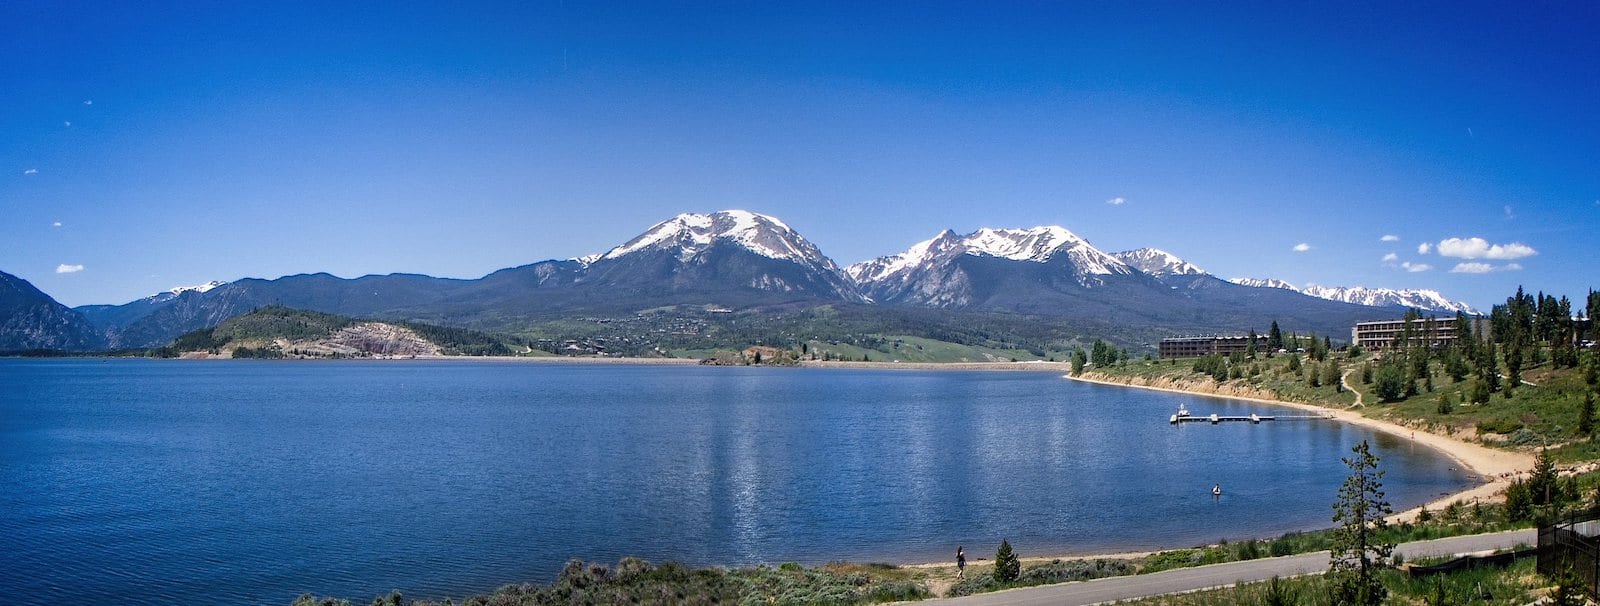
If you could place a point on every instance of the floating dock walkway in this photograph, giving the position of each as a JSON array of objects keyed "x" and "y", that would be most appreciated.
[{"x": 1184, "y": 417}]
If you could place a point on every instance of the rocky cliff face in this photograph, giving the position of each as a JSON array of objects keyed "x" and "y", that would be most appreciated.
[{"x": 30, "y": 319}]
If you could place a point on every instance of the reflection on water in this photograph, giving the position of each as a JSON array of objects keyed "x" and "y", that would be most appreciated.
[{"x": 136, "y": 481}]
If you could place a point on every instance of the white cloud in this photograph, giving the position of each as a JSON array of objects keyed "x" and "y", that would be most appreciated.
[
  {"x": 31, "y": 171},
  {"x": 1302, "y": 247},
  {"x": 88, "y": 101},
  {"x": 69, "y": 124},
  {"x": 1472, "y": 268},
  {"x": 68, "y": 269},
  {"x": 1389, "y": 238},
  {"x": 1416, "y": 267},
  {"x": 1391, "y": 258},
  {"x": 1511, "y": 267},
  {"x": 1117, "y": 201},
  {"x": 1478, "y": 248},
  {"x": 1424, "y": 248},
  {"x": 56, "y": 224},
  {"x": 1509, "y": 216}
]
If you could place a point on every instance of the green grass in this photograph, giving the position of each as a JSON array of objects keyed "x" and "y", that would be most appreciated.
[{"x": 1516, "y": 584}]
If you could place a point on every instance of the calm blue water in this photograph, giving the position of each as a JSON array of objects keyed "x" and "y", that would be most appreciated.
[{"x": 141, "y": 481}]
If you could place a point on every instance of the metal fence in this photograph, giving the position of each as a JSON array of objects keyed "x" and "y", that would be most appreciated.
[{"x": 1572, "y": 544}]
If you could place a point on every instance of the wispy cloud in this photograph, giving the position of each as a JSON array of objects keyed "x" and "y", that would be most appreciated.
[
  {"x": 69, "y": 124},
  {"x": 56, "y": 224},
  {"x": 68, "y": 269},
  {"x": 88, "y": 101},
  {"x": 1302, "y": 247},
  {"x": 31, "y": 171},
  {"x": 1509, "y": 214},
  {"x": 1391, "y": 258},
  {"x": 1416, "y": 267},
  {"x": 1424, "y": 248},
  {"x": 1511, "y": 267},
  {"x": 1389, "y": 238},
  {"x": 1472, "y": 268},
  {"x": 1478, "y": 248},
  {"x": 1117, "y": 201}
]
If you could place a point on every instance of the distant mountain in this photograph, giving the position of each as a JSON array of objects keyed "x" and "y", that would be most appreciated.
[
  {"x": 1159, "y": 263},
  {"x": 30, "y": 319},
  {"x": 1418, "y": 298},
  {"x": 1415, "y": 298},
  {"x": 1009, "y": 269},
  {"x": 716, "y": 257},
  {"x": 698, "y": 281},
  {"x": 1264, "y": 283}
]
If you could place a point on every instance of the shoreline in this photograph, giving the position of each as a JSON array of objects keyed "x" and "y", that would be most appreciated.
[{"x": 1493, "y": 468}]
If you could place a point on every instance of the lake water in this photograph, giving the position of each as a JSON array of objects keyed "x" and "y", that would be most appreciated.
[{"x": 245, "y": 482}]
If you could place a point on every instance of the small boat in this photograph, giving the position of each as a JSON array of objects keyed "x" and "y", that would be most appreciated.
[
  {"x": 1183, "y": 412},
  {"x": 1216, "y": 491}
]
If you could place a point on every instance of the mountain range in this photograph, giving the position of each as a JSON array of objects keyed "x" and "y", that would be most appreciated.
[
  {"x": 1416, "y": 298},
  {"x": 727, "y": 278}
]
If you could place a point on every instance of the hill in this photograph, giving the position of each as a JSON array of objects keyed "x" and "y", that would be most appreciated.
[{"x": 279, "y": 332}]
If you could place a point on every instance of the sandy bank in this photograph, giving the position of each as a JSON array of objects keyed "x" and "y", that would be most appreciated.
[{"x": 1493, "y": 468}]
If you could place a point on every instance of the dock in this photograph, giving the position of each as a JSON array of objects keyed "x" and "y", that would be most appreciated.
[{"x": 1256, "y": 419}]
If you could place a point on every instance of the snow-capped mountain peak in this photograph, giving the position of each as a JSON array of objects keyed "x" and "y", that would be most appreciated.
[
  {"x": 1419, "y": 298},
  {"x": 694, "y": 233},
  {"x": 177, "y": 291},
  {"x": 1264, "y": 283},
  {"x": 919, "y": 253},
  {"x": 1031, "y": 244},
  {"x": 1157, "y": 262}
]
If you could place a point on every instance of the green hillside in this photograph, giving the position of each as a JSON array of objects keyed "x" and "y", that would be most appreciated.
[{"x": 260, "y": 333}]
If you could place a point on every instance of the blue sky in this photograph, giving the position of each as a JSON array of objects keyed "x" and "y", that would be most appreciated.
[{"x": 154, "y": 145}]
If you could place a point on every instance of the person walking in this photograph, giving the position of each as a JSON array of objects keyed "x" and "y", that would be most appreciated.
[{"x": 961, "y": 562}]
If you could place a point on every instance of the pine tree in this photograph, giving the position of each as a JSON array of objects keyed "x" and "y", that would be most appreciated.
[
  {"x": 1586, "y": 416},
  {"x": 1007, "y": 567},
  {"x": 1360, "y": 510},
  {"x": 1274, "y": 337}
]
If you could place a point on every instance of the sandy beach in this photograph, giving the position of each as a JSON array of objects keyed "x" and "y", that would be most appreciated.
[{"x": 1493, "y": 468}]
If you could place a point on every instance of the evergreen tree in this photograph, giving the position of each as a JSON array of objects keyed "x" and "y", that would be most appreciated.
[
  {"x": 1275, "y": 337},
  {"x": 1447, "y": 403},
  {"x": 1007, "y": 567},
  {"x": 1513, "y": 366},
  {"x": 1250, "y": 347},
  {"x": 1079, "y": 359},
  {"x": 1294, "y": 363},
  {"x": 1330, "y": 376},
  {"x": 1586, "y": 416},
  {"x": 1480, "y": 391},
  {"x": 1356, "y": 554}
]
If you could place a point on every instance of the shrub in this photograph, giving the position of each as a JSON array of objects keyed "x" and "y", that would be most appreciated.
[{"x": 1007, "y": 567}]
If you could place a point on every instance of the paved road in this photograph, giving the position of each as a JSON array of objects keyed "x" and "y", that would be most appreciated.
[{"x": 1222, "y": 575}]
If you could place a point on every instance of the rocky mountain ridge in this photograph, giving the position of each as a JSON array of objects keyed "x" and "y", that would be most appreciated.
[{"x": 743, "y": 262}]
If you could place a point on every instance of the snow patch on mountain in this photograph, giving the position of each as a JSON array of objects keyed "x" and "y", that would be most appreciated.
[
  {"x": 919, "y": 254},
  {"x": 1157, "y": 262},
  {"x": 1264, "y": 283},
  {"x": 176, "y": 292},
  {"x": 693, "y": 233},
  {"x": 1419, "y": 298}
]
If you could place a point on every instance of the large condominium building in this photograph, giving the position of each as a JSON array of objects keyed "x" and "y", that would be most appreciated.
[
  {"x": 1435, "y": 332},
  {"x": 1193, "y": 347}
]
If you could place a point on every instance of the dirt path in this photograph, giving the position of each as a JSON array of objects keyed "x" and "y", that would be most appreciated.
[{"x": 1344, "y": 380}]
